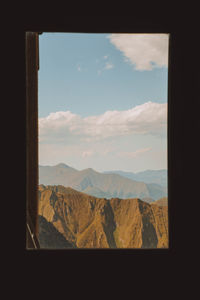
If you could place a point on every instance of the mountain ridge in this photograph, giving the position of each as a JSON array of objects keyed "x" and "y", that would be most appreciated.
[
  {"x": 89, "y": 222},
  {"x": 147, "y": 176},
  {"x": 97, "y": 184}
]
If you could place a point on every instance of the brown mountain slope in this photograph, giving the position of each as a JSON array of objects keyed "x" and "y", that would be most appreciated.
[
  {"x": 50, "y": 237},
  {"x": 89, "y": 222},
  {"x": 148, "y": 199}
]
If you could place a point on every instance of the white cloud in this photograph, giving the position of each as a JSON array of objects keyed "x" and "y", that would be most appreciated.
[
  {"x": 59, "y": 126},
  {"x": 148, "y": 118},
  {"x": 109, "y": 66},
  {"x": 144, "y": 51},
  {"x": 134, "y": 153},
  {"x": 78, "y": 67}
]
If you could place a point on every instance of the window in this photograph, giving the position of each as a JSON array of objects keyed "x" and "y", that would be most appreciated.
[{"x": 102, "y": 107}]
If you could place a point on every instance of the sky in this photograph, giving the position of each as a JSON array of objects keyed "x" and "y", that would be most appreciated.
[{"x": 103, "y": 101}]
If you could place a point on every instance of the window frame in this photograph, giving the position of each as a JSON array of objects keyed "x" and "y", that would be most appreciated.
[
  {"x": 32, "y": 169},
  {"x": 32, "y": 67}
]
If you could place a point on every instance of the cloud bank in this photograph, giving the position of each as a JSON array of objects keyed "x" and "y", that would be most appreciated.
[
  {"x": 148, "y": 118},
  {"x": 143, "y": 51}
]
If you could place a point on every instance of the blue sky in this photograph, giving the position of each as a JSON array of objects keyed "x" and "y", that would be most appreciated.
[{"x": 91, "y": 89}]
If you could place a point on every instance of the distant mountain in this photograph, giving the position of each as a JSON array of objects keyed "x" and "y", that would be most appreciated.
[
  {"x": 148, "y": 199},
  {"x": 161, "y": 202},
  {"x": 148, "y": 176},
  {"x": 98, "y": 184},
  {"x": 55, "y": 174},
  {"x": 94, "y": 191},
  {"x": 85, "y": 221},
  {"x": 156, "y": 191}
]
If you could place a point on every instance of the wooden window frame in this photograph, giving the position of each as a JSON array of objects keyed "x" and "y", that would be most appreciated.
[{"x": 32, "y": 67}]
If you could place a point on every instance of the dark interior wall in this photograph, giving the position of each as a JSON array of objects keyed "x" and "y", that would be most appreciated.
[
  {"x": 183, "y": 89},
  {"x": 32, "y": 64}
]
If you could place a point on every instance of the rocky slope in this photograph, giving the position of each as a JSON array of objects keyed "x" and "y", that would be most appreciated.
[
  {"x": 89, "y": 222},
  {"x": 50, "y": 237},
  {"x": 161, "y": 202}
]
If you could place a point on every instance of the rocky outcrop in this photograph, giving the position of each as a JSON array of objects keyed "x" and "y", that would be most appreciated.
[
  {"x": 49, "y": 237},
  {"x": 89, "y": 222},
  {"x": 161, "y": 202}
]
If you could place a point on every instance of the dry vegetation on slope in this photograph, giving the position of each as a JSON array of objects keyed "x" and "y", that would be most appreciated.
[
  {"x": 161, "y": 202},
  {"x": 89, "y": 222}
]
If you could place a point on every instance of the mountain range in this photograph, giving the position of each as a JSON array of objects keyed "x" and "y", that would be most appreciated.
[
  {"x": 161, "y": 202},
  {"x": 100, "y": 185},
  {"x": 149, "y": 176},
  {"x": 72, "y": 219}
]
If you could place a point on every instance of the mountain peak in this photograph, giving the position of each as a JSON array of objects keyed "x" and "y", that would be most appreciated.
[
  {"x": 89, "y": 170},
  {"x": 62, "y": 165}
]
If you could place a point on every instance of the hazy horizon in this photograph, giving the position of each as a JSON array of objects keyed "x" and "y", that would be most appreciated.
[{"x": 61, "y": 163}]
